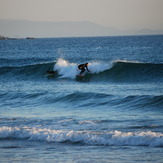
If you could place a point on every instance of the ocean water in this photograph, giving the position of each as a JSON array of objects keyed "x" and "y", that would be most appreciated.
[{"x": 112, "y": 114}]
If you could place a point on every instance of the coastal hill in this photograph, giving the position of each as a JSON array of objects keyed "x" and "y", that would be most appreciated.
[{"x": 24, "y": 28}]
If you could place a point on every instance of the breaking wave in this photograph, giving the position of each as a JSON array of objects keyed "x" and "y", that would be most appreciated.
[
  {"x": 116, "y": 71},
  {"x": 112, "y": 138}
]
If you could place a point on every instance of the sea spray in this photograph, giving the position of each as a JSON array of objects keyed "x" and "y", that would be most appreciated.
[
  {"x": 97, "y": 67},
  {"x": 66, "y": 69},
  {"x": 70, "y": 70}
]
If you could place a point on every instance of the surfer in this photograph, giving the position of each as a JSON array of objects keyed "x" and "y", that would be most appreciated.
[{"x": 83, "y": 67}]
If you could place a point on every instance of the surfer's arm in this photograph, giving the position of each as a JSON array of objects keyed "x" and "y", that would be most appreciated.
[{"x": 87, "y": 69}]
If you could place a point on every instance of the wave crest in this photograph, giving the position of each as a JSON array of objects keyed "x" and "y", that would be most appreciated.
[
  {"x": 114, "y": 138},
  {"x": 116, "y": 71}
]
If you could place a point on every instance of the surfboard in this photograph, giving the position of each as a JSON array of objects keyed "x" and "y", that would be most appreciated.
[{"x": 80, "y": 76}]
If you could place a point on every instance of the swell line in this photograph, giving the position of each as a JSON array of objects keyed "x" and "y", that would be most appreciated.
[{"x": 117, "y": 71}]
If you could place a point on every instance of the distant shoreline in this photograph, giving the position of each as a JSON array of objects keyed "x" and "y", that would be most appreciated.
[
  {"x": 8, "y": 38},
  {"x": 28, "y": 38}
]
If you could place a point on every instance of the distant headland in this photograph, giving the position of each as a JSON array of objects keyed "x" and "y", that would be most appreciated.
[
  {"x": 8, "y": 38},
  {"x": 3, "y": 38}
]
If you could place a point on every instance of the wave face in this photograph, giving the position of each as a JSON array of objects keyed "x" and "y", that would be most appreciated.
[
  {"x": 135, "y": 71},
  {"x": 116, "y": 71},
  {"x": 113, "y": 138},
  {"x": 83, "y": 100},
  {"x": 27, "y": 71},
  {"x": 102, "y": 99}
]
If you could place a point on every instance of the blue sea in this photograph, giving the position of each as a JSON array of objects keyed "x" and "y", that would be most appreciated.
[{"x": 114, "y": 113}]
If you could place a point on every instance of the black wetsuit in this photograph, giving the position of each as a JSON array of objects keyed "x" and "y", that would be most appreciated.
[{"x": 82, "y": 68}]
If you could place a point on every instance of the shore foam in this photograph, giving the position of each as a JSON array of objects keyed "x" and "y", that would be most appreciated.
[{"x": 112, "y": 138}]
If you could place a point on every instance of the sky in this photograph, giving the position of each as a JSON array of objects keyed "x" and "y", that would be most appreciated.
[{"x": 121, "y": 14}]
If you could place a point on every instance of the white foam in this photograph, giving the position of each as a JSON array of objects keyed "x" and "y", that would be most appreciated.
[
  {"x": 115, "y": 138},
  {"x": 66, "y": 69},
  {"x": 126, "y": 61},
  {"x": 97, "y": 67},
  {"x": 87, "y": 122},
  {"x": 70, "y": 70}
]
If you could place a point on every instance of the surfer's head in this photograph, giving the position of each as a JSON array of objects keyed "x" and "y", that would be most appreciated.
[{"x": 86, "y": 64}]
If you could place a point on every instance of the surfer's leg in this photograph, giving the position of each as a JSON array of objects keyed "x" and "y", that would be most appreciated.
[{"x": 82, "y": 71}]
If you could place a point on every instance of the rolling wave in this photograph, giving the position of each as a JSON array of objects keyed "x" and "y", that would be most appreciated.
[
  {"x": 112, "y": 138},
  {"x": 96, "y": 100},
  {"x": 126, "y": 71},
  {"x": 83, "y": 100},
  {"x": 136, "y": 71},
  {"x": 117, "y": 71},
  {"x": 27, "y": 71}
]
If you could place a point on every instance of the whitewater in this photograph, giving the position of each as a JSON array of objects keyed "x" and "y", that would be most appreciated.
[
  {"x": 115, "y": 138},
  {"x": 111, "y": 114},
  {"x": 70, "y": 70}
]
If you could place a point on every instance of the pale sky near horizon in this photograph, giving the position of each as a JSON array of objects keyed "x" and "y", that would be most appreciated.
[{"x": 121, "y": 14}]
